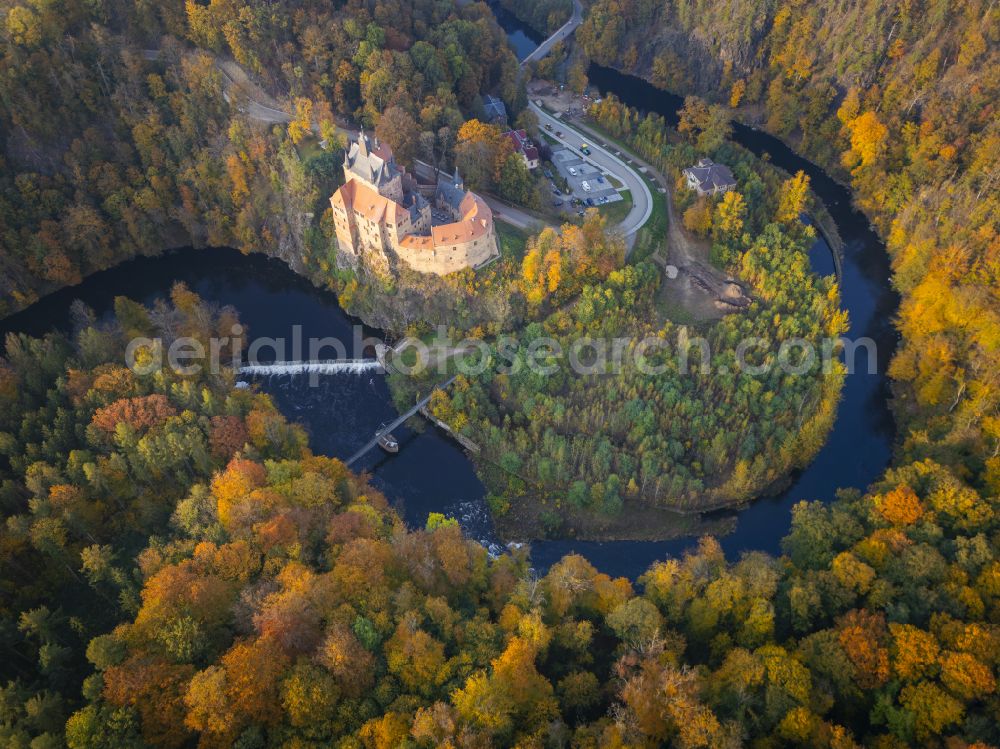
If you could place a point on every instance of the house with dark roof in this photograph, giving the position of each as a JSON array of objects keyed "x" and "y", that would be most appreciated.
[
  {"x": 495, "y": 110},
  {"x": 709, "y": 178},
  {"x": 524, "y": 146}
]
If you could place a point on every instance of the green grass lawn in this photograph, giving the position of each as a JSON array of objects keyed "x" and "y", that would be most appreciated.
[
  {"x": 616, "y": 212},
  {"x": 653, "y": 233},
  {"x": 309, "y": 148},
  {"x": 513, "y": 241}
]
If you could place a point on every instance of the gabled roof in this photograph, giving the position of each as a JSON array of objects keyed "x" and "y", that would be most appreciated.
[
  {"x": 522, "y": 143},
  {"x": 372, "y": 162},
  {"x": 711, "y": 176},
  {"x": 357, "y": 196},
  {"x": 494, "y": 108}
]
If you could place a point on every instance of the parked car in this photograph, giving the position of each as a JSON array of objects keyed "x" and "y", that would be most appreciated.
[
  {"x": 600, "y": 179},
  {"x": 556, "y": 191},
  {"x": 580, "y": 212},
  {"x": 558, "y": 133},
  {"x": 548, "y": 125},
  {"x": 586, "y": 185},
  {"x": 572, "y": 170},
  {"x": 590, "y": 201}
]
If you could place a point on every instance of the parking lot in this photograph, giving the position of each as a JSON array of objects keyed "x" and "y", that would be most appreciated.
[{"x": 581, "y": 175}]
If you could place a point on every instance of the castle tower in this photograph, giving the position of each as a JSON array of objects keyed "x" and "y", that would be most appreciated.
[{"x": 374, "y": 167}]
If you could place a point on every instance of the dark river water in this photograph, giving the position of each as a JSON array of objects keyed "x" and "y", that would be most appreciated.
[
  {"x": 430, "y": 473},
  {"x": 522, "y": 38}
]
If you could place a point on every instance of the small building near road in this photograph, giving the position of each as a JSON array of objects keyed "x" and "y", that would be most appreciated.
[
  {"x": 524, "y": 146},
  {"x": 709, "y": 178},
  {"x": 495, "y": 110}
]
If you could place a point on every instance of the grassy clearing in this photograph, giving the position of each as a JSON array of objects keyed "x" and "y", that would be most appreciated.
[
  {"x": 653, "y": 235},
  {"x": 513, "y": 241},
  {"x": 616, "y": 212},
  {"x": 309, "y": 148},
  {"x": 669, "y": 307}
]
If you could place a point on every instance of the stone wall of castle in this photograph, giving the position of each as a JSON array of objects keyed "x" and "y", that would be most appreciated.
[
  {"x": 372, "y": 223},
  {"x": 444, "y": 259}
]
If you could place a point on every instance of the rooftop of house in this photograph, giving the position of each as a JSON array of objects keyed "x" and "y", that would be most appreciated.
[
  {"x": 523, "y": 144},
  {"x": 494, "y": 108},
  {"x": 370, "y": 160},
  {"x": 710, "y": 175},
  {"x": 367, "y": 202}
]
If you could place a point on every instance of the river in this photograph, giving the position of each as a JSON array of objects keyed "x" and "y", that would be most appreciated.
[{"x": 430, "y": 473}]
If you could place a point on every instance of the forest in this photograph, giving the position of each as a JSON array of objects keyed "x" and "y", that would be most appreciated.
[
  {"x": 178, "y": 569},
  {"x": 708, "y": 429},
  {"x": 899, "y": 100},
  {"x": 121, "y": 135}
]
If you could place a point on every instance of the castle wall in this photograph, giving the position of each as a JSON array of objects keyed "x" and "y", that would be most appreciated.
[
  {"x": 393, "y": 189},
  {"x": 443, "y": 259},
  {"x": 345, "y": 228},
  {"x": 371, "y": 226}
]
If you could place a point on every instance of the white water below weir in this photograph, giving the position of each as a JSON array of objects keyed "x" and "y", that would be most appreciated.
[{"x": 323, "y": 367}]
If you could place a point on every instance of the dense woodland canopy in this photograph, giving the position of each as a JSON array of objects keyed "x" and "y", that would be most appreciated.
[
  {"x": 107, "y": 154},
  {"x": 179, "y": 570},
  {"x": 900, "y": 100},
  {"x": 176, "y": 568},
  {"x": 705, "y": 430}
]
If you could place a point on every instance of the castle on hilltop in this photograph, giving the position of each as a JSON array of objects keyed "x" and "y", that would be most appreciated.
[{"x": 380, "y": 214}]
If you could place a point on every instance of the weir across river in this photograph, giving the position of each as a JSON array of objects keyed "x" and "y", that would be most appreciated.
[
  {"x": 342, "y": 366},
  {"x": 325, "y": 367}
]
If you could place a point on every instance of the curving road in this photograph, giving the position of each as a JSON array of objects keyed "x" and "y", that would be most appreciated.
[
  {"x": 642, "y": 198},
  {"x": 560, "y": 34},
  {"x": 251, "y": 100}
]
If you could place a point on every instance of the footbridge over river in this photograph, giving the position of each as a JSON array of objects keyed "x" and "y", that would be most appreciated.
[{"x": 373, "y": 442}]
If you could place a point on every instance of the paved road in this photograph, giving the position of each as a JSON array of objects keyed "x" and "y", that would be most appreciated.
[
  {"x": 252, "y": 104},
  {"x": 642, "y": 197},
  {"x": 561, "y": 34},
  {"x": 513, "y": 216}
]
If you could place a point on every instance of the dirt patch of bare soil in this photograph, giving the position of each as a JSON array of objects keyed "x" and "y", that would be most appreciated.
[{"x": 697, "y": 291}]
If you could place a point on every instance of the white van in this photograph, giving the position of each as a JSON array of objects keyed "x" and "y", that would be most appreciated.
[{"x": 586, "y": 185}]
